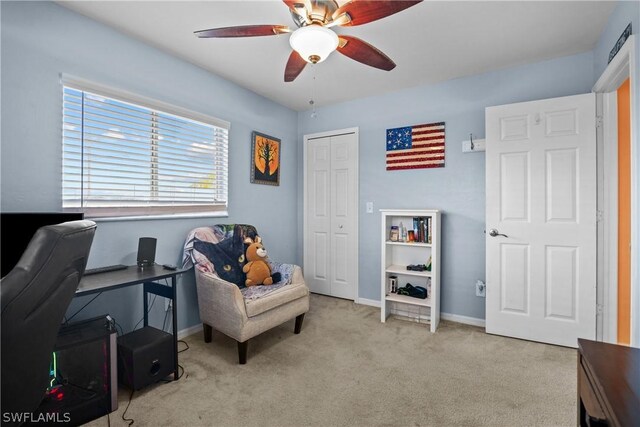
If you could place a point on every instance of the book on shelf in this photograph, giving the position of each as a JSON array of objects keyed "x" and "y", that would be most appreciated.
[
  {"x": 425, "y": 234},
  {"x": 422, "y": 229}
]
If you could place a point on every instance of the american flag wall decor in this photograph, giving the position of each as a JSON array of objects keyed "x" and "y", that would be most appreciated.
[{"x": 415, "y": 147}]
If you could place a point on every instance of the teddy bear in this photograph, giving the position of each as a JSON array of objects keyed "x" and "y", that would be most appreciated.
[{"x": 257, "y": 268}]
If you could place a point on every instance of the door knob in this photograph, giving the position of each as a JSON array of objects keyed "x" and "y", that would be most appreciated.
[
  {"x": 340, "y": 226},
  {"x": 493, "y": 233}
]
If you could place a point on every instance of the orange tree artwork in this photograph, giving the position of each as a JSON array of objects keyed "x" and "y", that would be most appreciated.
[{"x": 265, "y": 159}]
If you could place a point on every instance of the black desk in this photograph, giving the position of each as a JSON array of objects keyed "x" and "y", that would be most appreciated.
[
  {"x": 608, "y": 384},
  {"x": 149, "y": 277}
]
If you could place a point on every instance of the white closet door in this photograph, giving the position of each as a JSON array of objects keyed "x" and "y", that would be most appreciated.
[
  {"x": 331, "y": 235},
  {"x": 318, "y": 212},
  {"x": 343, "y": 225}
]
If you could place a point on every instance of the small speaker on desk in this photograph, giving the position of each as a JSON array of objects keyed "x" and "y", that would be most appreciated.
[
  {"x": 146, "y": 251},
  {"x": 145, "y": 356}
]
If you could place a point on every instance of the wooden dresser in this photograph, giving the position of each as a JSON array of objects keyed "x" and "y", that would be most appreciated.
[{"x": 608, "y": 384}]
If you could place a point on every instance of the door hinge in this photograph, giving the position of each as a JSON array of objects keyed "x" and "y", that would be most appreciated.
[
  {"x": 599, "y": 309},
  {"x": 598, "y": 122},
  {"x": 599, "y": 215}
]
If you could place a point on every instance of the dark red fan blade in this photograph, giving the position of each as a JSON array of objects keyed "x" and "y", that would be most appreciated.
[
  {"x": 292, "y": 3},
  {"x": 362, "y": 51},
  {"x": 365, "y": 11},
  {"x": 302, "y": 8},
  {"x": 295, "y": 65},
  {"x": 244, "y": 31}
]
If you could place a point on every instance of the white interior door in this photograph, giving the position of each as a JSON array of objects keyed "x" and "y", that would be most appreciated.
[
  {"x": 331, "y": 202},
  {"x": 541, "y": 206}
]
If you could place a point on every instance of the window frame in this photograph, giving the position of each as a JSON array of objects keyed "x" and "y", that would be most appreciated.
[{"x": 139, "y": 212}]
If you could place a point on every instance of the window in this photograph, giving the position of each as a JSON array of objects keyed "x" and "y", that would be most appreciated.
[{"x": 122, "y": 158}]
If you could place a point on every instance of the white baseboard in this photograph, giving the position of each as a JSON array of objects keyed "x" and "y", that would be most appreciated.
[
  {"x": 189, "y": 331},
  {"x": 371, "y": 302},
  {"x": 474, "y": 321}
]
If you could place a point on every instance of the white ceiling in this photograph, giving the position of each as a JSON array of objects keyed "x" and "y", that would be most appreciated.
[{"x": 431, "y": 42}]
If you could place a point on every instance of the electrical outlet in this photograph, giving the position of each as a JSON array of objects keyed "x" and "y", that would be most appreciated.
[
  {"x": 369, "y": 207},
  {"x": 481, "y": 289}
]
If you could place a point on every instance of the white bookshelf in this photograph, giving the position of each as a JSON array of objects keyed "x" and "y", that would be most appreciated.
[{"x": 395, "y": 258}]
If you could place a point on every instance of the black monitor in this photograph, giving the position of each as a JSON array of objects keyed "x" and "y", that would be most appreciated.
[{"x": 17, "y": 229}]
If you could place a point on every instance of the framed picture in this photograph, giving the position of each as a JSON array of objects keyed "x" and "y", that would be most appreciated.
[{"x": 265, "y": 159}]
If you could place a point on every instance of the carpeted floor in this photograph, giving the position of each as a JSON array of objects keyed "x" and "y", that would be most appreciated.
[{"x": 347, "y": 368}]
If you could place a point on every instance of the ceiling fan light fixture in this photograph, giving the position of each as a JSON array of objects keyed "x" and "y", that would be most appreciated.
[{"x": 313, "y": 42}]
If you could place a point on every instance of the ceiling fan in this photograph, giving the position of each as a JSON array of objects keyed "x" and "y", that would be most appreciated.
[{"x": 313, "y": 40}]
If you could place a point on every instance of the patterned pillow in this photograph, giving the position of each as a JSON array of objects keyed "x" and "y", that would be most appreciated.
[{"x": 219, "y": 250}]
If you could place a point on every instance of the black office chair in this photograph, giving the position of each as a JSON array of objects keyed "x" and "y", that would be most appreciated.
[{"x": 35, "y": 296}]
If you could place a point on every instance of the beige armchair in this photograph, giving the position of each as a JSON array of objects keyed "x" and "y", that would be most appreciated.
[{"x": 241, "y": 313}]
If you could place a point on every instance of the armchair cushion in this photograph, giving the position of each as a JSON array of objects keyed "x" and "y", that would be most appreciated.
[
  {"x": 277, "y": 297},
  {"x": 286, "y": 273}
]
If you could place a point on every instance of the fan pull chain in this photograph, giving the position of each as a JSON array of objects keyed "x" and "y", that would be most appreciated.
[{"x": 314, "y": 114}]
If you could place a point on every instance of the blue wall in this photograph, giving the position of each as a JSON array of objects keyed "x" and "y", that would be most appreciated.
[
  {"x": 624, "y": 13},
  {"x": 458, "y": 188},
  {"x": 40, "y": 41}
]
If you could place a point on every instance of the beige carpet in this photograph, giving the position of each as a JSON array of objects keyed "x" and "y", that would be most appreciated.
[{"x": 347, "y": 368}]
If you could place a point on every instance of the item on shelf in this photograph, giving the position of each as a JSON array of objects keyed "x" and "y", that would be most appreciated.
[
  {"x": 403, "y": 291},
  {"x": 411, "y": 236},
  {"x": 422, "y": 229},
  {"x": 425, "y": 232},
  {"x": 393, "y": 284},
  {"x": 393, "y": 233},
  {"x": 417, "y": 267},
  {"x": 429, "y": 286},
  {"x": 403, "y": 233},
  {"x": 417, "y": 292},
  {"x": 413, "y": 291},
  {"x": 428, "y": 264}
]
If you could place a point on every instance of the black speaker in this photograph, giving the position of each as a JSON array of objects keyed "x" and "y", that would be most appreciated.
[
  {"x": 145, "y": 356},
  {"x": 146, "y": 251}
]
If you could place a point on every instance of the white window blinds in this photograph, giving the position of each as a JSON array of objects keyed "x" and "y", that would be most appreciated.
[{"x": 120, "y": 158}]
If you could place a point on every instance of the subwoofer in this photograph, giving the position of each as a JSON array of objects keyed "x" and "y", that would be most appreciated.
[{"x": 145, "y": 356}]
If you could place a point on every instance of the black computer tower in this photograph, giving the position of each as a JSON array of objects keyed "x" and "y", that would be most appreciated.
[
  {"x": 145, "y": 356},
  {"x": 83, "y": 377}
]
